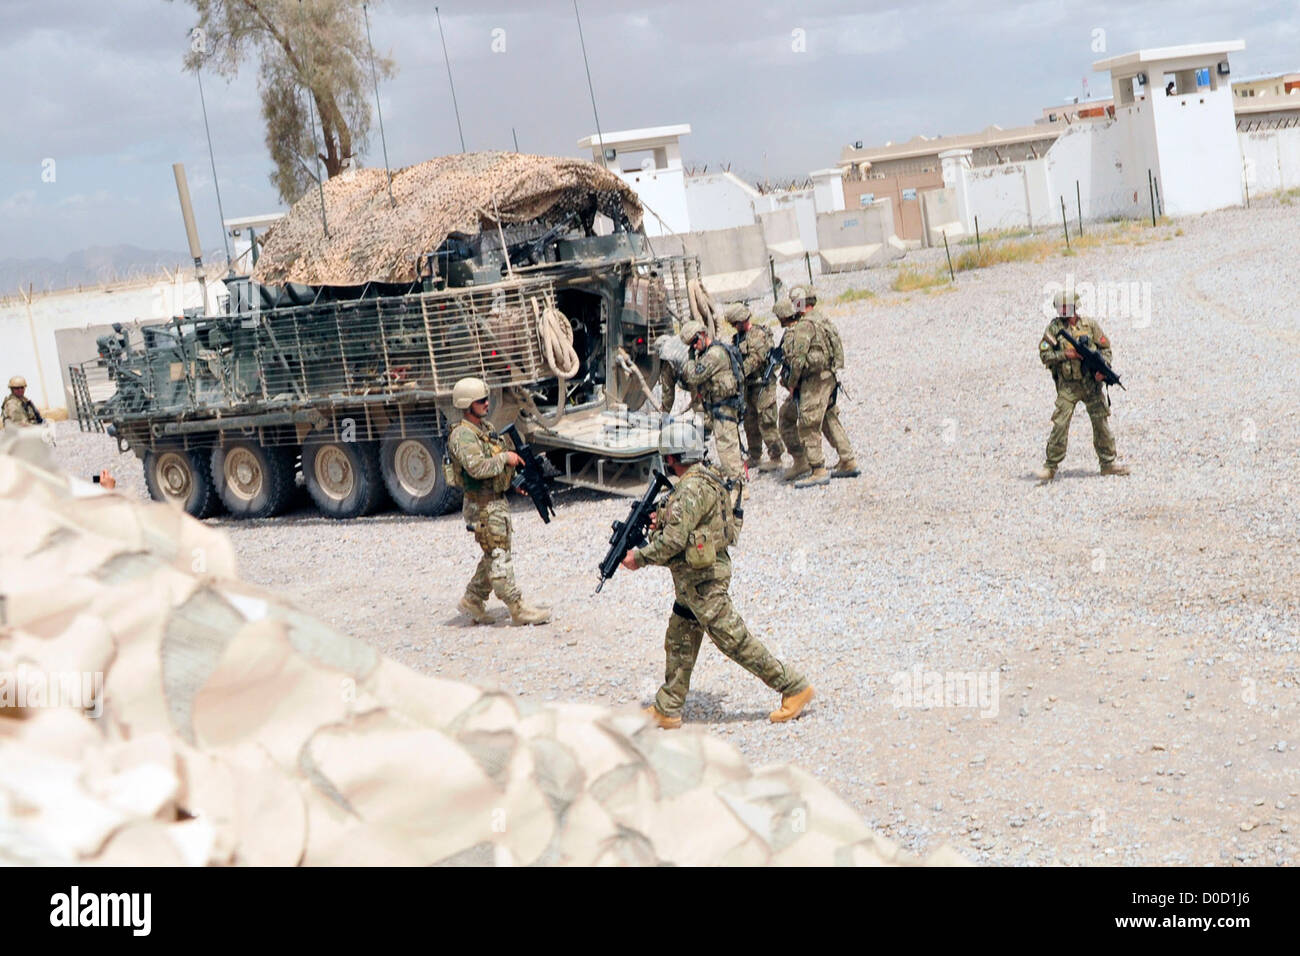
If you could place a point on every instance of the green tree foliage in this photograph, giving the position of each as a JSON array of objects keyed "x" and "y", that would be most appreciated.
[{"x": 300, "y": 45}]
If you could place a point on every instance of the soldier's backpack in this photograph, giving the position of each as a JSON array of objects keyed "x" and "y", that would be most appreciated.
[
  {"x": 737, "y": 402},
  {"x": 832, "y": 342}
]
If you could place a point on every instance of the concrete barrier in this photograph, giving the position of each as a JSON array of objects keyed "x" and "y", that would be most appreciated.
[
  {"x": 855, "y": 238},
  {"x": 942, "y": 216},
  {"x": 781, "y": 231},
  {"x": 733, "y": 262}
]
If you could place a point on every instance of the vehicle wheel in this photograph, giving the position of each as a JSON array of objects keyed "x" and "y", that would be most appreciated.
[
  {"x": 412, "y": 468},
  {"x": 342, "y": 477},
  {"x": 182, "y": 477},
  {"x": 254, "y": 481}
]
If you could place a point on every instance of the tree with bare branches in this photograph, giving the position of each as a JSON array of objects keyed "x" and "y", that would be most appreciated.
[{"x": 304, "y": 47}]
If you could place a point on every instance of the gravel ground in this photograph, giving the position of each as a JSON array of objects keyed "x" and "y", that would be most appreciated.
[{"x": 1138, "y": 635}]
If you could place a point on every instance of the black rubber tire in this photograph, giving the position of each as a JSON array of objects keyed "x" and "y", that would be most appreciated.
[
  {"x": 440, "y": 497},
  {"x": 195, "y": 475},
  {"x": 359, "y": 461},
  {"x": 272, "y": 490}
]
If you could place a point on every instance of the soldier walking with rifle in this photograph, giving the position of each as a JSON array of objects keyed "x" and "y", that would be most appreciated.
[
  {"x": 18, "y": 408},
  {"x": 691, "y": 534},
  {"x": 482, "y": 465},
  {"x": 1077, "y": 353}
]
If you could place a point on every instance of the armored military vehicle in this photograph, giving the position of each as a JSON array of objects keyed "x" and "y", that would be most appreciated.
[{"x": 336, "y": 357}]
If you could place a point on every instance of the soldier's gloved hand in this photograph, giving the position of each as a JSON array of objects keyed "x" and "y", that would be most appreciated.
[
  {"x": 513, "y": 459},
  {"x": 1070, "y": 353},
  {"x": 1098, "y": 376},
  {"x": 629, "y": 560}
]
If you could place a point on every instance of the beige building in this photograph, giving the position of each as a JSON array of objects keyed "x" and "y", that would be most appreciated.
[
  {"x": 901, "y": 172},
  {"x": 1280, "y": 84}
]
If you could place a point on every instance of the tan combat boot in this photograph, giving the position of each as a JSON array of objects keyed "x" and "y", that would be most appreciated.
[
  {"x": 846, "y": 468},
  {"x": 523, "y": 613},
  {"x": 772, "y": 464},
  {"x": 818, "y": 476},
  {"x": 1046, "y": 473},
  {"x": 798, "y": 469},
  {"x": 1111, "y": 468},
  {"x": 474, "y": 609},
  {"x": 792, "y": 706},
  {"x": 663, "y": 720}
]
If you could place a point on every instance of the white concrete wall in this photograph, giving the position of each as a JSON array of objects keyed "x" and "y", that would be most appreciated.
[
  {"x": 37, "y": 359},
  {"x": 719, "y": 201},
  {"x": 1006, "y": 196},
  {"x": 1200, "y": 156},
  {"x": 1272, "y": 159},
  {"x": 781, "y": 231},
  {"x": 1090, "y": 154},
  {"x": 664, "y": 192}
]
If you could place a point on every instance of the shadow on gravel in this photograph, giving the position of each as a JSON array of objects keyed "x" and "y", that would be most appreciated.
[
  {"x": 1060, "y": 476},
  {"x": 706, "y": 707}
]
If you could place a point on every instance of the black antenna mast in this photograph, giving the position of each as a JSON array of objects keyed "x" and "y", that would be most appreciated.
[
  {"x": 374, "y": 79},
  {"x": 446, "y": 59},
  {"x": 230, "y": 267},
  {"x": 311, "y": 108},
  {"x": 590, "y": 89}
]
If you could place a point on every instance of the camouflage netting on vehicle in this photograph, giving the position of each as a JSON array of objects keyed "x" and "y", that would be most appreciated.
[
  {"x": 235, "y": 729},
  {"x": 371, "y": 240}
]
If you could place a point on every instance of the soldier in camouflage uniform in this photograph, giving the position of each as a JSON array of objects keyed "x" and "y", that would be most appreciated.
[
  {"x": 713, "y": 375},
  {"x": 1073, "y": 385},
  {"x": 811, "y": 346},
  {"x": 691, "y": 535},
  {"x": 18, "y": 409},
  {"x": 755, "y": 344},
  {"x": 482, "y": 465}
]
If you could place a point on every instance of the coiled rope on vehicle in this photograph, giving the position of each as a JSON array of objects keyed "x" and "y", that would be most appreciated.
[
  {"x": 556, "y": 334},
  {"x": 702, "y": 306}
]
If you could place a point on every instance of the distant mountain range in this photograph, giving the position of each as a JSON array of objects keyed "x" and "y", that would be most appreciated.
[{"x": 92, "y": 266}]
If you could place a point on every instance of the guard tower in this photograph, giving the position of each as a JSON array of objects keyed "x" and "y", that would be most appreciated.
[
  {"x": 650, "y": 161},
  {"x": 1174, "y": 107}
]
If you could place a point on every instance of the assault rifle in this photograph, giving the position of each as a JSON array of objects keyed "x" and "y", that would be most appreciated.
[
  {"x": 775, "y": 360},
  {"x": 534, "y": 477},
  {"x": 1091, "y": 359},
  {"x": 631, "y": 533}
]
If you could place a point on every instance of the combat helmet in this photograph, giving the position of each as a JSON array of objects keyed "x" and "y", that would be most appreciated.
[
  {"x": 18, "y": 382},
  {"x": 783, "y": 309},
  {"x": 1065, "y": 297},
  {"x": 691, "y": 330},
  {"x": 467, "y": 391},
  {"x": 685, "y": 440},
  {"x": 737, "y": 312}
]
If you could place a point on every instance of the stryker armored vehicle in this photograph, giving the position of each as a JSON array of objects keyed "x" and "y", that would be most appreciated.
[{"x": 337, "y": 356}]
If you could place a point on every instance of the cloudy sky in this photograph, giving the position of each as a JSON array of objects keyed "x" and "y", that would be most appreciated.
[{"x": 97, "y": 87}]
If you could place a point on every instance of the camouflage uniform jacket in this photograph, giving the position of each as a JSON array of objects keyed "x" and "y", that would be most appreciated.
[
  {"x": 1051, "y": 348},
  {"x": 698, "y": 499},
  {"x": 711, "y": 377},
  {"x": 805, "y": 351},
  {"x": 754, "y": 349},
  {"x": 483, "y": 460},
  {"x": 20, "y": 411}
]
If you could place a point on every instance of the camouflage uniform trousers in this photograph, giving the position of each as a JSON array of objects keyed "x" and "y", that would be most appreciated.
[
  {"x": 703, "y": 594},
  {"x": 495, "y": 574},
  {"x": 804, "y": 421},
  {"x": 1068, "y": 395},
  {"x": 726, "y": 437},
  {"x": 760, "y": 421}
]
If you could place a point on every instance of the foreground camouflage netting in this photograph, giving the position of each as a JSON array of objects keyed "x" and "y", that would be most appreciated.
[
  {"x": 373, "y": 240},
  {"x": 236, "y": 729}
]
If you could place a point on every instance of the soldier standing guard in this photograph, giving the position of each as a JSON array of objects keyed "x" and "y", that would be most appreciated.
[
  {"x": 1073, "y": 385},
  {"x": 691, "y": 535},
  {"x": 18, "y": 409},
  {"x": 813, "y": 355},
  {"x": 482, "y": 466},
  {"x": 755, "y": 344}
]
